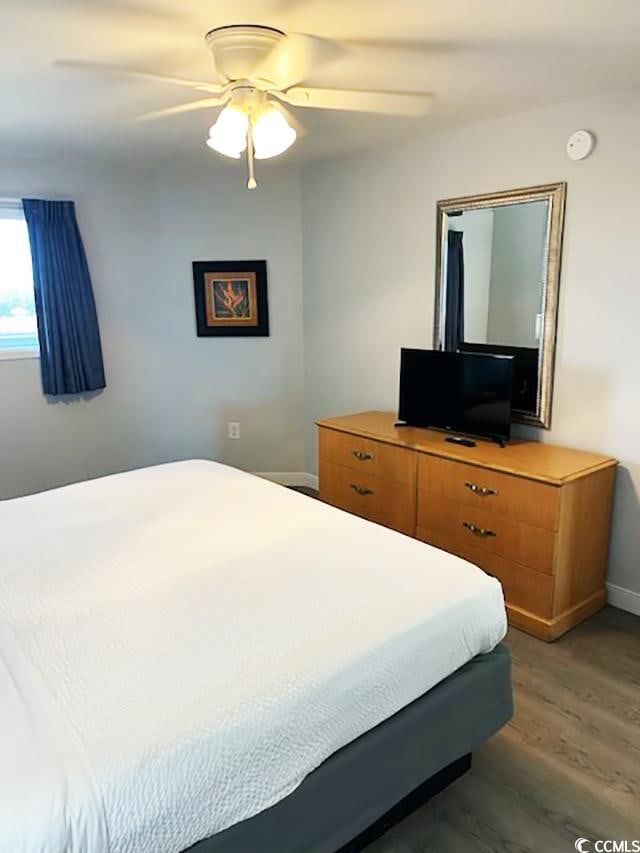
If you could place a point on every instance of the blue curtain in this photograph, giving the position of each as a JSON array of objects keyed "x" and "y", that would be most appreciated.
[
  {"x": 70, "y": 350},
  {"x": 454, "y": 296}
]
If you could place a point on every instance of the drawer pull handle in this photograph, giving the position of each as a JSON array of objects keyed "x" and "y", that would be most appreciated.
[
  {"x": 361, "y": 490},
  {"x": 483, "y": 491},
  {"x": 361, "y": 455},
  {"x": 482, "y": 532}
]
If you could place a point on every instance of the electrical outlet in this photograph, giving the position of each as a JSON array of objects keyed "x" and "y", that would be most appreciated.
[{"x": 233, "y": 429}]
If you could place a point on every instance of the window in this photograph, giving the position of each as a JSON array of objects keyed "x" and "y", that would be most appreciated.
[{"x": 18, "y": 327}]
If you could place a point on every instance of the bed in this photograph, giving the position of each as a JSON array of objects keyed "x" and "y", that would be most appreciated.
[{"x": 191, "y": 656}]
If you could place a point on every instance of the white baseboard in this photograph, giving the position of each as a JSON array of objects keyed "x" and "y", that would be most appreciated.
[
  {"x": 625, "y": 599},
  {"x": 290, "y": 478}
]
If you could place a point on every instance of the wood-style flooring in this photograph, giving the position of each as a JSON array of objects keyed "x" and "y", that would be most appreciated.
[{"x": 568, "y": 764}]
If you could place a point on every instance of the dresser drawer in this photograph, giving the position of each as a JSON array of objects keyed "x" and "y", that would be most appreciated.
[
  {"x": 388, "y": 503},
  {"x": 369, "y": 456},
  {"x": 488, "y": 531},
  {"x": 523, "y": 588},
  {"x": 527, "y": 500}
]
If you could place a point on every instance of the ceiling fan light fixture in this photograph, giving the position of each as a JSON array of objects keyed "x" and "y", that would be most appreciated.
[
  {"x": 272, "y": 134},
  {"x": 228, "y": 136}
]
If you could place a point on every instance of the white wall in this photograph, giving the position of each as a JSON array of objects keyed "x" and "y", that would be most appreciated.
[
  {"x": 369, "y": 245},
  {"x": 169, "y": 394}
]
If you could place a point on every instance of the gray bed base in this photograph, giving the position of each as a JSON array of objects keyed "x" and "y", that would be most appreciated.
[{"x": 429, "y": 740}]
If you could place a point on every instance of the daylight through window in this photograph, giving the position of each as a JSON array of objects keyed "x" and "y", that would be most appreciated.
[{"x": 18, "y": 327}]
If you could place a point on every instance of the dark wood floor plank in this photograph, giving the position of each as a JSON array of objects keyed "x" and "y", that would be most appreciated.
[
  {"x": 565, "y": 801},
  {"x": 606, "y": 695}
]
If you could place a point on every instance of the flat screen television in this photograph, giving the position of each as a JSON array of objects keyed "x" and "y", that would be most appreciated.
[{"x": 465, "y": 393}]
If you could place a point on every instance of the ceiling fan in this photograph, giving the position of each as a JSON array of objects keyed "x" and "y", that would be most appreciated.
[{"x": 260, "y": 70}]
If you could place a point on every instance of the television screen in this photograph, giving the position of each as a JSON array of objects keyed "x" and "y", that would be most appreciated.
[{"x": 462, "y": 392}]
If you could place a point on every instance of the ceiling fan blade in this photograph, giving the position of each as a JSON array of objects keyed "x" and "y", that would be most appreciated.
[
  {"x": 294, "y": 58},
  {"x": 290, "y": 5},
  {"x": 199, "y": 85},
  {"x": 409, "y": 45},
  {"x": 191, "y": 106},
  {"x": 359, "y": 100},
  {"x": 134, "y": 10}
]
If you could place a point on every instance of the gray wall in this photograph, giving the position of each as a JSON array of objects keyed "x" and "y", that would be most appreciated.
[
  {"x": 169, "y": 393},
  {"x": 369, "y": 245}
]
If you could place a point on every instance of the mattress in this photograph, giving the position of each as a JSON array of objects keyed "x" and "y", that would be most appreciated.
[
  {"x": 358, "y": 785},
  {"x": 182, "y": 645}
]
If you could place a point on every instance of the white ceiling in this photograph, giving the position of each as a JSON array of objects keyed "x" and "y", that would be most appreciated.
[{"x": 480, "y": 57}]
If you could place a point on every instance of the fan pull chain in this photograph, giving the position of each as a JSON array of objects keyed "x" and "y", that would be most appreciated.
[{"x": 251, "y": 163}]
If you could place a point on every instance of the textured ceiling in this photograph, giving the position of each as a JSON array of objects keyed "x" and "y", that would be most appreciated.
[{"x": 481, "y": 59}]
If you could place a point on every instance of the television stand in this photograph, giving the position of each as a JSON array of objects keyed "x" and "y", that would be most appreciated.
[{"x": 533, "y": 515}]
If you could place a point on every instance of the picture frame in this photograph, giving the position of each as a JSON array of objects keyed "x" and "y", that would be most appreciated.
[{"x": 231, "y": 298}]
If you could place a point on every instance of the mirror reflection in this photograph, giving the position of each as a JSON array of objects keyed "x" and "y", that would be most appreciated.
[
  {"x": 498, "y": 268},
  {"x": 498, "y": 257}
]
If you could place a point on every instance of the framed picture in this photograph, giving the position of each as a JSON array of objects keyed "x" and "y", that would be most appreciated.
[{"x": 231, "y": 298}]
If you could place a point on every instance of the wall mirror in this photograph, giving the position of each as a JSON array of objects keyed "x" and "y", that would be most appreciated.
[{"x": 497, "y": 277}]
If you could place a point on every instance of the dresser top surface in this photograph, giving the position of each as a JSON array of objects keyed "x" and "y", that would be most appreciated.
[{"x": 531, "y": 459}]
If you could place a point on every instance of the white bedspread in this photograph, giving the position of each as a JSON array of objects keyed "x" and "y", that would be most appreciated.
[{"x": 180, "y": 646}]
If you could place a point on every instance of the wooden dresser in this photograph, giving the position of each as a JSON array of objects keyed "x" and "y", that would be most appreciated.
[{"x": 534, "y": 515}]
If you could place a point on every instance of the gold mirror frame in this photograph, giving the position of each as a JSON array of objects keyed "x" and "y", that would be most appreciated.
[{"x": 555, "y": 195}]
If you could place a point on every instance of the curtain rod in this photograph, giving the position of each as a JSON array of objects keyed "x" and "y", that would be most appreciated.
[{"x": 8, "y": 200}]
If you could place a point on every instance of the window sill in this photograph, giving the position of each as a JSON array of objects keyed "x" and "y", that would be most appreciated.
[{"x": 18, "y": 354}]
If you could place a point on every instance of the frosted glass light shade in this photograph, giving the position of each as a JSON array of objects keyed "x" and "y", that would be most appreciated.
[
  {"x": 272, "y": 134},
  {"x": 228, "y": 135}
]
